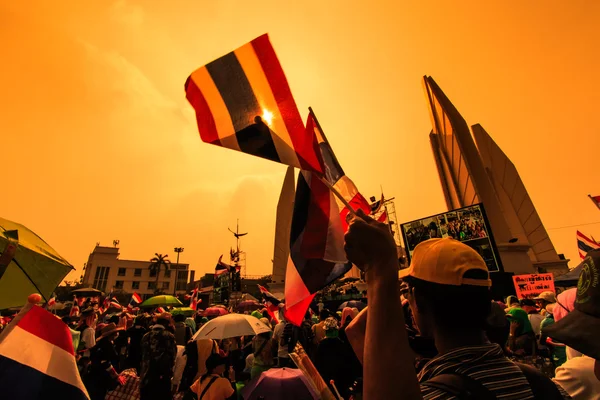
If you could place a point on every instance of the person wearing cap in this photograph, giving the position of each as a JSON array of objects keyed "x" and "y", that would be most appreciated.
[
  {"x": 577, "y": 325},
  {"x": 212, "y": 385},
  {"x": 158, "y": 359},
  {"x": 103, "y": 375},
  {"x": 544, "y": 299},
  {"x": 441, "y": 269}
]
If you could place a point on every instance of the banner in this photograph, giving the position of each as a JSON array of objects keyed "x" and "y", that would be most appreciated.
[{"x": 531, "y": 285}]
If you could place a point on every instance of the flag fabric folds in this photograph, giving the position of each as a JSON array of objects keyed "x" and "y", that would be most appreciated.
[
  {"x": 585, "y": 244},
  {"x": 136, "y": 298},
  {"x": 271, "y": 302},
  {"x": 243, "y": 102},
  {"x": 334, "y": 174},
  {"x": 317, "y": 255},
  {"x": 37, "y": 358}
]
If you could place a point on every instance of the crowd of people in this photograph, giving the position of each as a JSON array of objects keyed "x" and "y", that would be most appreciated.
[
  {"x": 154, "y": 356},
  {"x": 466, "y": 228},
  {"x": 436, "y": 334}
]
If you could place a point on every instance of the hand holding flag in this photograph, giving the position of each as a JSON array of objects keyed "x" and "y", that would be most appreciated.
[{"x": 369, "y": 243}]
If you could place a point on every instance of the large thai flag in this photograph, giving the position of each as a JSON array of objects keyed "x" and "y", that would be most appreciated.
[
  {"x": 243, "y": 102},
  {"x": 585, "y": 244},
  {"x": 317, "y": 255},
  {"x": 37, "y": 360}
]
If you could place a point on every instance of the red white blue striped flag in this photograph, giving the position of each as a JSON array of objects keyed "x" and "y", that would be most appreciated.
[
  {"x": 37, "y": 360},
  {"x": 243, "y": 102},
  {"x": 585, "y": 244}
]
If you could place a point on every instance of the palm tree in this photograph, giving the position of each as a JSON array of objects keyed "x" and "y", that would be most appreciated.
[{"x": 157, "y": 263}]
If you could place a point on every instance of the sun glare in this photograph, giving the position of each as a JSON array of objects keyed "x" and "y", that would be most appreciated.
[{"x": 267, "y": 116}]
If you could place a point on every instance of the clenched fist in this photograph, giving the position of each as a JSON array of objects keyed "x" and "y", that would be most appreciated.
[{"x": 369, "y": 244}]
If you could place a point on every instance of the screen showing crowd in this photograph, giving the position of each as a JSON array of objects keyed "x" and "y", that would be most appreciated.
[{"x": 468, "y": 225}]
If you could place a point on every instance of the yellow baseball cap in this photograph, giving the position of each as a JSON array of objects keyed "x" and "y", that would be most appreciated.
[{"x": 445, "y": 261}]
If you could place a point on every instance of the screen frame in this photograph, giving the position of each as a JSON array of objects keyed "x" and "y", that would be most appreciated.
[{"x": 487, "y": 224}]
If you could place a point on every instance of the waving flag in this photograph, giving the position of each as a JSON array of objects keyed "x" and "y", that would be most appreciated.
[
  {"x": 271, "y": 302},
  {"x": 585, "y": 244},
  {"x": 136, "y": 298},
  {"x": 335, "y": 175},
  {"x": 243, "y": 102},
  {"x": 194, "y": 299},
  {"x": 317, "y": 255},
  {"x": 37, "y": 359}
]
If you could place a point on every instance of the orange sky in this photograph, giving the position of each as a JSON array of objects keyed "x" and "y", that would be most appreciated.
[{"x": 99, "y": 142}]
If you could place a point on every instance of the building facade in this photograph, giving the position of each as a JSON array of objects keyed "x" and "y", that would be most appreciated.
[{"x": 106, "y": 272}]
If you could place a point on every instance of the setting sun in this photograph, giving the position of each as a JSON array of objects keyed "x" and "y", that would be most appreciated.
[{"x": 267, "y": 116}]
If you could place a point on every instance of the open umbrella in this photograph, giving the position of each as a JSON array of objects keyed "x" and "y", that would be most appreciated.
[
  {"x": 280, "y": 383},
  {"x": 27, "y": 265},
  {"x": 186, "y": 311},
  {"x": 352, "y": 304},
  {"x": 231, "y": 325},
  {"x": 162, "y": 300},
  {"x": 215, "y": 311},
  {"x": 249, "y": 305}
]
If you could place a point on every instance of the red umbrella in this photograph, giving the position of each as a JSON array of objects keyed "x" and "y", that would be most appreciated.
[
  {"x": 215, "y": 312},
  {"x": 249, "y": 306}
]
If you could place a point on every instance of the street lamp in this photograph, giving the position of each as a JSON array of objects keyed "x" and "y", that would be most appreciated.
[{"x": 177, "y": 250}]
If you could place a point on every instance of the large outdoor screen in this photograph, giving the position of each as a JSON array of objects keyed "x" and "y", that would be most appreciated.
[{"x": 468, "y": 225}]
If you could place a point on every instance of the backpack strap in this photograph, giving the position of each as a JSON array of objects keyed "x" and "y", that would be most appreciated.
[
  {"x": 212, "y": 380},
  {"x": 541, "y": 386},
  {"x": 462, "y": 386}
]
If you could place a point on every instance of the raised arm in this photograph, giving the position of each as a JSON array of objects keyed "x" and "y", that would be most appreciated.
[{"x": 388, "y": 368}]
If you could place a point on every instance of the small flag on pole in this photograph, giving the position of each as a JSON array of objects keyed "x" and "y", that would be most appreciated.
[
  {"x": 271, "y": 302},
  {"x": 37, "y": 358},
  {"x": 136, "y": 298},
  {"x": 243, "y": 102},
  {"x": 595, "y": 199},
  {"x": 585, "y": 244}
]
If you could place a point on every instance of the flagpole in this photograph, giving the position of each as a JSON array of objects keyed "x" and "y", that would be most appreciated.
[{"x": 322, "y": 178}]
